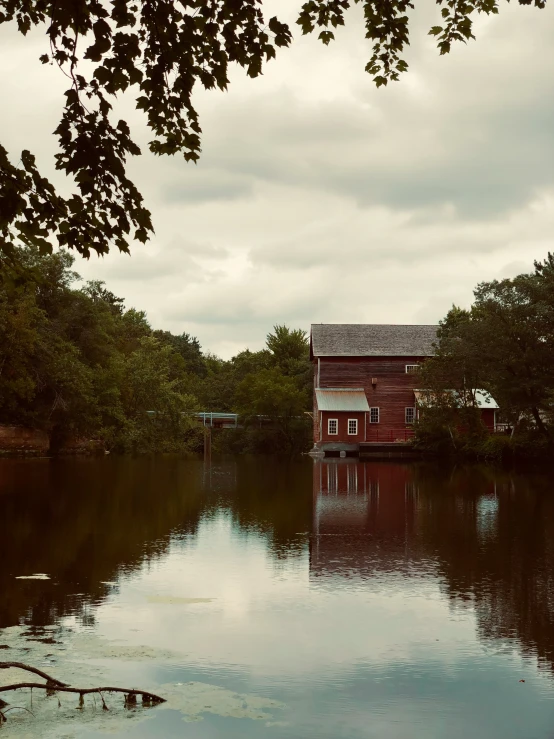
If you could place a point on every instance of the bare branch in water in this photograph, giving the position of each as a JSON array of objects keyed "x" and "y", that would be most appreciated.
[
  {"x": 147, "y": 697},
  {"x": 53, "y": 686}
]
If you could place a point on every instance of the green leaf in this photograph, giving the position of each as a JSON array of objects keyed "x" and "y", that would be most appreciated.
[{"x": 326, "y": 37}]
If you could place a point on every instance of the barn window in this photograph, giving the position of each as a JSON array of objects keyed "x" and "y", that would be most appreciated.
[
  {"x": 412, "y": 368},
  {"x": 333, "y": 426},
  {"x": 352, "y": 426},
  {"x": 374, "y": 415},
  {"x": 410, "y": 415}
]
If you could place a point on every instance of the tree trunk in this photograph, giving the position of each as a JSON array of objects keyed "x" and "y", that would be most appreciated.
[
  {"x": 58, "y": 437},
  {"x": 540, "y": 424}
]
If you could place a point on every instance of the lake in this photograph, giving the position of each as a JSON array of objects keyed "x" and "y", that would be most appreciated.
[{"x": 287, "y": 600}]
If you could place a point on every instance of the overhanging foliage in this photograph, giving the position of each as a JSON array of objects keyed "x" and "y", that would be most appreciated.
[{"x": 161, "y": 49}]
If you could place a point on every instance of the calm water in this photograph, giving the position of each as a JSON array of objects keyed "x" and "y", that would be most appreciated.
[{"x": 300, "y": 600}]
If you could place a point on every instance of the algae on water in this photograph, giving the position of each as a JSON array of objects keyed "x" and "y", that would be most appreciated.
[{"x": 83, "y": 659}]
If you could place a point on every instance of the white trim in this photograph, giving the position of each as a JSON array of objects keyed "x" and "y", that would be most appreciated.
[
  {"x": 409, "y": 408},
  {"x": 332, "y": 478},
  {"x": 351, "y": 478},
  {"x": 352, "y": 433},
  {"x": 378, "y": 415},
  {"x": 329, "y": 422},
  {"x": 413, "y": 368}
]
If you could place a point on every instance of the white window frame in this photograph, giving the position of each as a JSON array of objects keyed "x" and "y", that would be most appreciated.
[
  {"x": 329, "y": 422},
  {"x": 354, "y": 421},
  {"x": 409, "y": 408},
  {"x": 410, "y": 368},
  {"x": 378, "y": 415}
]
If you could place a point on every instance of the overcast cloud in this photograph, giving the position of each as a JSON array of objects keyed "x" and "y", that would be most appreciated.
[{"x": 319, "y": 198}]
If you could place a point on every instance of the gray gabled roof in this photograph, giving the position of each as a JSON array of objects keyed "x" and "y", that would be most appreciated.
[
  {"x": 341, "y": 399},
  {"x": 371, "y": 340}
]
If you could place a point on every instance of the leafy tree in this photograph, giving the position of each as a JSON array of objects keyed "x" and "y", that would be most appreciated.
[
  {"x": 514, "y": 321},
  {"x": 74, "y": 362},
  {"x": 290, "y": 353},
  {"x": 287, "y": 344},
  {"x": 218, "y": 388},
  {"x": 65, "y": 403},
  {"x": 504, "y": 345},
  {"x": 21, "y": 325},
  {"x": 157, "y": 408},
  {"x": 160, "y": 49},
  {"x": 132, "y": 328},
  {"x": 271, "y": 394},
  {"x": 188, "y": 349},
  {"x": 96, "y": 291},
  {"x": 43, "y": 379}
]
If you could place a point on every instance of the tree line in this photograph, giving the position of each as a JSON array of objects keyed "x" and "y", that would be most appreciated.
[
  {"x": 503, "y": 344},
  {"x": 75, "y": 362}
]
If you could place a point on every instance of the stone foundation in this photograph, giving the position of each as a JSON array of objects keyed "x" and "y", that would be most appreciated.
[{"x": 21, "y": 440}]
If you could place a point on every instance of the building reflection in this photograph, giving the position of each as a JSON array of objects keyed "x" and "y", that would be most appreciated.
[{"x": 364, "y": 518}]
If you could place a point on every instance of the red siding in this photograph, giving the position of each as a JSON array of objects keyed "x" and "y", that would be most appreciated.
[
  {"x": 392, "y": 394},
  {"x": 487, "y": 416}
]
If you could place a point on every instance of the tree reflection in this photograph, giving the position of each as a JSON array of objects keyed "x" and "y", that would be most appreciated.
[
  {"x": 84, "y": 522},
  {"x": 89, "y": 522},
  {"x": 487, "y": 535}
]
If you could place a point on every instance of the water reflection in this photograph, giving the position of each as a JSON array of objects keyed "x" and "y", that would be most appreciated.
[
  {"x": 339, "y": 587},
  {"x": 487, "y": 535},
  {"x": 364, "y": 520},
  {"x": 86, "y": 522}
]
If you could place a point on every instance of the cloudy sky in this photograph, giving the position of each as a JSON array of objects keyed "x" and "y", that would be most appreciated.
[{"x": 319, "y": 198}]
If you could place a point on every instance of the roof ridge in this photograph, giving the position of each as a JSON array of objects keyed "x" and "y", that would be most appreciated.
[
  {"x": 343, "y": 389},
  {"x": 376, "y": 324},
  {"x": 373, "y": 339}
]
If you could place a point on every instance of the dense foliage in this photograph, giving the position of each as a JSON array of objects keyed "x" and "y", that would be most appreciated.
[
  {"x": 74, "y": 362},
  {"x": 159, "y": 50},
  {"x": 504, "y": 345}
]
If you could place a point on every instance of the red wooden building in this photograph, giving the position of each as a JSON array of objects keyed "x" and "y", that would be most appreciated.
[{"x": 365, "y": 383}]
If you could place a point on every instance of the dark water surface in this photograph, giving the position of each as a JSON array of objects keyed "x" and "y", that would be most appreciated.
[{"x": 328, "y": 599}]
